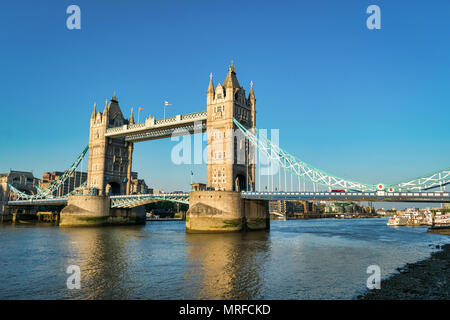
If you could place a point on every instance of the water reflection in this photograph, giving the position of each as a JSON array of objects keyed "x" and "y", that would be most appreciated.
[
  {"x": 310, "y": 259},
  {"x": 227, "y": 266},
  {"x": 101, "y": 254}
]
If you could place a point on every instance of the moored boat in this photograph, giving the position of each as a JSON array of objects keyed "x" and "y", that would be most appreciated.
[{"x": 411, "y": 217}]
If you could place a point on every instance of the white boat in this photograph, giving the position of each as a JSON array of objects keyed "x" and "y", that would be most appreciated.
[
  {"x": 441, "y": 219},
  {"x": 397, "y": 220},
  {"x": 411, "y": 217},
  {"x": 393, "y": 221}
]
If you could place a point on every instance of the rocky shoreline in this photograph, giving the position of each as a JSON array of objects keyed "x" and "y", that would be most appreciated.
[{"x": 428, "y": 279}]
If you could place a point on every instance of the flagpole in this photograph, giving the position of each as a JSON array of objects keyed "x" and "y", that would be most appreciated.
[{"x": 139, "y": 112}]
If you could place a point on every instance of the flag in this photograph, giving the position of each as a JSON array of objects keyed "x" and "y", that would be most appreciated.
[
  {"x": 166, "y": 103},
  {"x": 140, "y": 109},
  {"x": 192, "y": 173}
]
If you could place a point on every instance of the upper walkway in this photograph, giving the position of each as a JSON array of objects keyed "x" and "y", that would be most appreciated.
[{"x": 152, "y": 129}]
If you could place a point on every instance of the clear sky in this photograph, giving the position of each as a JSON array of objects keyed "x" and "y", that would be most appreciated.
[{"x": 368, "y": 105}]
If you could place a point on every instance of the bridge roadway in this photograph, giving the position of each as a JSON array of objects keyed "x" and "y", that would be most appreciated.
[
  {"x": 380, "y": 196},
  {"x": 130, "y": 201},
  {"x": 120, "y": 201}
]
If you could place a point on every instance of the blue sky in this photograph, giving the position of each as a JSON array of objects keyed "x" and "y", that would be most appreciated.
[{"x": 368, "y": 105}]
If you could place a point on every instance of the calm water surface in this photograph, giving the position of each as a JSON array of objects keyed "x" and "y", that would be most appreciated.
[{"x": 297, "y": 259}]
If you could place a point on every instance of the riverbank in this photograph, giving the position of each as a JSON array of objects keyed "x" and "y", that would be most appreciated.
[{"x": 427, "y": 279}]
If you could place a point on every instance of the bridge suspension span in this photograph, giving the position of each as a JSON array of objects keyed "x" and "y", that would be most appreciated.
[
  {"x": 48, "y": 192},
  {"x": 303, "y": 170}
]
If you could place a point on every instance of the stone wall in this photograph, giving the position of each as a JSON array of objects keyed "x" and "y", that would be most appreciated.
[
  {"x": 256, "y": 213},
  {"x": 224, "y": 211},
  {"x": 87, "y": 210}
]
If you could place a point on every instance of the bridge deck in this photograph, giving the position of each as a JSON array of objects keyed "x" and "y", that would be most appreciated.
[
  {"x": 130, "y": 201},
  {"x": 438, "y": 197},
  {"x": 61, "y": 201}
]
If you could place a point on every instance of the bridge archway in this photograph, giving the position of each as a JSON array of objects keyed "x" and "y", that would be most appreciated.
[
  {"x": 239, "y": 183},
  {"x": 113, "y": 188}
]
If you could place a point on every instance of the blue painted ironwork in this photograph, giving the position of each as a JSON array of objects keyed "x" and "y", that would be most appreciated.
[
  {"x": 130, "y": 201},
  {"x": 305, "y": 170},
  {"x": 48, "y": 192}
]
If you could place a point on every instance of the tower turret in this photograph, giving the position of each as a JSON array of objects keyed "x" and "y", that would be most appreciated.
[
  {"x": 252, "y": 102},
  {"x": 231, "y": 83},
  {"x": 131, "y": 121},
  {"x": 94, "y": 113},
  {"x": 210, "y": 93}
]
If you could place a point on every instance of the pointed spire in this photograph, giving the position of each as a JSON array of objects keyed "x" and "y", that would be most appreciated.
[
  {"x": 114, "y": 98},
  {"x": 211, "y": 85},
  {"x": 131, "y": 121},
  {"x": 251, "y": 95},
  {"x": 94, "y": 111},
  {"x": 231, "y": 79}
]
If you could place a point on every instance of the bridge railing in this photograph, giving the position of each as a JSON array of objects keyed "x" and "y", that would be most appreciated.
[
  {"x": 136, "y": 125},
  {"x": 160, "y": 122}
]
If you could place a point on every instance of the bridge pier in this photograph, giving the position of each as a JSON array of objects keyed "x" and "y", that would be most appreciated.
[
  {"x": 225, "y": 211},
  {"x": 92, "y": 210}
]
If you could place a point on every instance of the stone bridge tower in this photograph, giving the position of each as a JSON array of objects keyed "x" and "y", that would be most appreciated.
[
  {"x": 110, "y": 160},
  {"x": 231, "y": 165}
]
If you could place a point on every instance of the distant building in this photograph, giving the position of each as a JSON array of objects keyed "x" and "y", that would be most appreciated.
[
  {"x": 198, "y": 186},
  {"x": 74, "y": 181},
  {"x": 138, "y": 186},
  {"x": 287, "y": 207},
  {"x": 22, "y": 180}
]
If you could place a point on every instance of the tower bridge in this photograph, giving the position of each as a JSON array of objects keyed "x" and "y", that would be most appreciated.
[{"x": 232, "y": 200}]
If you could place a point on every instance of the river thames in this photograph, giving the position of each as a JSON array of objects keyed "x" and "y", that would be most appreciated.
[{"x": 297, "y": 259}]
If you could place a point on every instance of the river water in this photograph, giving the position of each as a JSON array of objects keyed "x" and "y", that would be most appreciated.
[{"x": 297, "y": 259}]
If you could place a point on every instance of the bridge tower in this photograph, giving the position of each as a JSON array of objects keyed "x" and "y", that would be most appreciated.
[
  {"x": 110, "y": 159},
  {"x": 230, "y": 163},
  {"x": 109, "y": 171}
]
